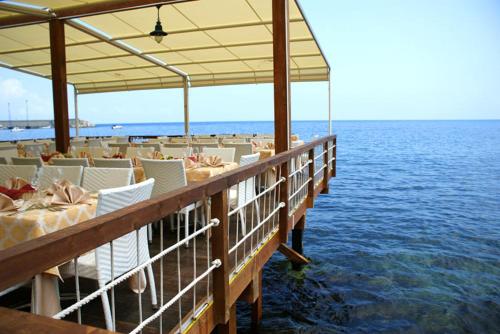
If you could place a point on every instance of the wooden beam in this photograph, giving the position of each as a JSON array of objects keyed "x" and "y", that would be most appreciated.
[
  {"x": 310, "y": 186},
  {"x": 220, "y": 247},
  {"x": 96, "y": 8},
  {"x": 281, "y": 67},
  {"x": 292, "y": 255},
  {"x": 59, "y": 84},
  {"x": 17, "y": 322}
]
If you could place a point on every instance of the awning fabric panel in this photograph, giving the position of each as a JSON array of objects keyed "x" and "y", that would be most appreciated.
[{"x": 216, "y": 42}]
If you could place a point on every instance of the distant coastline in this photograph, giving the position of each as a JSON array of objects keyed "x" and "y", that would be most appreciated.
[{"x": 40, "y": 124}]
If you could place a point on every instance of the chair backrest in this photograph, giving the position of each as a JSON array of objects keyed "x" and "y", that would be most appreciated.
[
  {"x": 175, "y": 145},
  {"x": 168, "y": 174},
  {"x": 121, "y": 140},
  {"x": 208, "y": 140},
  {"x": 3, "y": 161},
  {"x": 9, "y": 153},
  {"x": 99, "y": 152},
  {"x": 178, "y": 140},
  {"x": 226, "y": 153},
  {"x": 197, "y": 147},
  {"x": 122, "y": 147},
  {"x": 246, "y": 189},
  {"x": 27, "y": 161},
  {"x": 51, "y": 174},
  {"x": 84, "y": 162},
  {"x": 176, "y": 152},
  {"x": 35, "y": 149},
  {"x": 95, "y": 142},
  {"x": 241, "y": 149},
  {"x": 234, "y": 140},
  {"x": 124, "y": 248},
  {"x": 95, "y": 179},
  {"x": 155, "y": 146},
  {"x": 52, "y": 147},
  {"x": 113, "y": 163},
  {"x": 140, "y": 152},
  {"x": 78, "y": 143},
  {"x": 10, "y": 171}
]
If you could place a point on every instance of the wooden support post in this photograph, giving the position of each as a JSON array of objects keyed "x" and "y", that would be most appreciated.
[
  {"x": 220, "y": 249},
  {"x": 59, "y": 84},
  {"x": 257, "y": 305},
  {"x": 231, "y": 326},
  {"x": 310, "y": 186},
  {"x": 326, "y": 171},
  {"x": 281, "y": 65}
]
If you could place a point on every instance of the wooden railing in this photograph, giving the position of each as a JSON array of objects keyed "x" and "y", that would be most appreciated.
[{"x": 300, "y": 174}]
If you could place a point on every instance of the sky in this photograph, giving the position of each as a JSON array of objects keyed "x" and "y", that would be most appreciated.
[{"x": 391, "y": 59}]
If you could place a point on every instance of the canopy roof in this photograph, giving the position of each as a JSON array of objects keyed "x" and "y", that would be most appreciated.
[{"x": 215, "y": 42}]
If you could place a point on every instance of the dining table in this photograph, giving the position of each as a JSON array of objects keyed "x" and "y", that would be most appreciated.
[
  {"x": 194, "y": 174},
  {"x": 36, "y": 218}
]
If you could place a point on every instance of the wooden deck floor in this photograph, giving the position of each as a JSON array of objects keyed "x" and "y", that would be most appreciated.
[{"x": 126, "y": 301}]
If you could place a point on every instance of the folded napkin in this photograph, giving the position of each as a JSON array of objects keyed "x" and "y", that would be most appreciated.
[
  {"x": 70, "y": 194},
  {"x": 57, "y": 185},
  {"x": 49, "y": 156},
  {"x": 7, "y": 203},
  {"x": 269, "y": 146},
  {"x": 189, "y": 163},
  {"x": 158, "y": 156},
  {"x": 136, "y": 162},
  {"x": 117, "y": 156},
  {"x": 87, "y": 155},
  {"x": 16, "y": 188},
  {"x": 212, "y": 161}
]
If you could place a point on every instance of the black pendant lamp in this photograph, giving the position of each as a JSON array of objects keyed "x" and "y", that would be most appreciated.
[{"x": 158, "y": 33}]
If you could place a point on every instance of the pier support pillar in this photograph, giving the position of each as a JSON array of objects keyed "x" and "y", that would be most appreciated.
[
  {"x": 297, "y": 240},
  {"x": 231, "y": 326}
]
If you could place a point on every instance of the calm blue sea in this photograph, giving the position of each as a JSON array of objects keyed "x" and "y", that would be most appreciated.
[{"x": 408, "y": 240}]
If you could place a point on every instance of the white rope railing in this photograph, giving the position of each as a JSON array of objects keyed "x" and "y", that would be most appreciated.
[
  {"x": 320, "y": 155},
  {"x": 253, "y": 199},
  {"x": 300, "y": 188},
  {"x": 308, "y": 162},
  {"x": 215, "y": 264},
  {"x": 248, "y": 234},
  {"x": 319, "y": 170},
  {"x": 136, "y": 270}
]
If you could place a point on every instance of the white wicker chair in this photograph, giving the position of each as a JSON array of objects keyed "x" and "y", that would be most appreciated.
[
  {"x": 241, "y": 149},
  {"x": 84, "y": 162},
  {"x": 99, "y": 152},
  {"x": 122, "y": 147},
  {"x": 51, "y": 174},
  {"x": 226, "y": 153},
  {"x": 198, "y": 147},
  {"x": 95, "y": 179},
  {"x": 244, "y": 192},
  {"x": 10, "y": 171},
  {"x": 175, "y": 145},
  {"x": 140, "y": 152},
  {"x": 169, "y": 175},
  {"x": 35, "y": 149},
  {"x": 113, "y": 163},
  {"x": 96, "y": 265},
  {"x": 155, "y": 146},
  {"x": 176, "y": 152},
  {"x": 27, "y": 161},
  {"x": 9, "y": 153},
  {"x": 94, "y": 142}
]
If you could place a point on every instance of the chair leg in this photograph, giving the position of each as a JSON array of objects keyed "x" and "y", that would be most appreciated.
[
  {"x": 152, "y": 286},
  {"x": 186, "y": 227},
  {"x": 107, "y": 310},
  {"x": 243, "y": 223}
]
